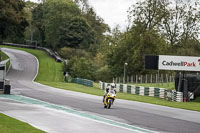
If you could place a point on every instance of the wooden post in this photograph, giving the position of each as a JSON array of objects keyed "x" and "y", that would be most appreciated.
[
  {"x": 136, "y": 78},
  {"x": 131, "y": 78},
  {"x": 146, "y": 79},
  {"x": 167, "y": 78}
]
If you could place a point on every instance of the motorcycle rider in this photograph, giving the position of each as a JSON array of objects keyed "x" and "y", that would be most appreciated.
[{"x": 112, "y": 86}]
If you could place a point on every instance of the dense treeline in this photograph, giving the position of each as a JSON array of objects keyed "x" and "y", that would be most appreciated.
[
  {"x": 92, "y": 50},
  {"x": 12, "y": 19}
]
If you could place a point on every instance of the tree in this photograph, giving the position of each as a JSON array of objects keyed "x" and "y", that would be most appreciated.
[
  {"x": 181, "y": 22},
  {"x": 191, "y": 21},
  {"x": 96, "y": 23},
  {"x": 149, "y": 13},
  {"x": 30, "y": 30},
  {"x": 156, "y": 26},
  {"x": 83, "y": 5},
  {"x": 76, "y": 34},
  {"x": 57, "y": 13},
  {"x": 38, "y": 23},
  {"x": 132, "y": 46},
  {"x": 81, "y": 68},
  {"x": 189, "y": 47},
  {"x": 98, "y": 26},
  {"x": 12, "y": 19},
  {"x": 69, "y": 53},
  {"x": 142, "y": 37}
]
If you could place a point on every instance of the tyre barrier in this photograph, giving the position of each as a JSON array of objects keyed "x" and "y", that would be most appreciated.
[
  {"x": 49, "y": 51},
  {"x": 84, "y": 82},
  {"x": 5, "y": 87},
  {"x": 146, "y": 91}
]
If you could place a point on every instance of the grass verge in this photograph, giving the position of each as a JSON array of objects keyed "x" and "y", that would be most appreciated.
[
  {"x": 55, "y": 79},
  {"x": 4, "y": 57},
  {"x": 11, "y": 125},
  {"x": 169, "y": 86}
]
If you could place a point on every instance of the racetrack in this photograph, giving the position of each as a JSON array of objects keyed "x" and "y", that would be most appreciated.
[{"x": 147, "y": 116}]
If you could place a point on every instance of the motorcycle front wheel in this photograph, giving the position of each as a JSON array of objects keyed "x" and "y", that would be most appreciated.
[{"x": 109, "y": 103}]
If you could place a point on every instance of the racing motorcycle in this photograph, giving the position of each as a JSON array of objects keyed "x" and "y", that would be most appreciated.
[{"x": 109, "y": 99}]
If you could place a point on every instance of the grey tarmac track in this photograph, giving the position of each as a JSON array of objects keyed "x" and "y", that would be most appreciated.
[
  {"x": 54, "y": 121},
  {"x": 148, "y": 116}
]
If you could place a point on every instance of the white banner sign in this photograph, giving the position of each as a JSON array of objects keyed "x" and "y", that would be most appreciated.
[{"x": 180, "y": 63}]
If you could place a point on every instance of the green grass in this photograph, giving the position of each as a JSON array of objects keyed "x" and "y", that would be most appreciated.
[
  {"x": 4, "y": 57},
  {"x": 11, "y": 125},
  {"x": 169, "y": 86},
  {"x": 50, "y": 74},
  {"x": 75, "y": 87}
]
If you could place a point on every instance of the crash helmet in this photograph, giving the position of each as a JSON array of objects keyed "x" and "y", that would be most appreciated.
[{"x": 112, "y": 86}]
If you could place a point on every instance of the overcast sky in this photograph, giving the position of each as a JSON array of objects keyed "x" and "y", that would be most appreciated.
[{"x": 114, "y": 12}]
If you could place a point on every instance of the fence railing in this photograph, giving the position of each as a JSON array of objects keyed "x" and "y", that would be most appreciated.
[
  {"x": 147, "y": 78},
  {"x": 170, "y": 95},
  {"x": 85, "y": 82}
]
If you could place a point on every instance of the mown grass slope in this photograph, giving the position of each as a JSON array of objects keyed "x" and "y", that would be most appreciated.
[
  {"x": 4, "y": 57},
  {"x": 11, "y": 125}
]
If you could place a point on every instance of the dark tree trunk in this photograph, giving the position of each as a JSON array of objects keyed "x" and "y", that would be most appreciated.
[{"x": 1, "y": 39}]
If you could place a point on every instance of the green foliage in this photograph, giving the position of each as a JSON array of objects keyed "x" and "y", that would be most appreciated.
[
  {"x": 72, "y": 31},
  {"x": 77, "y": 58},
  {"x": 76, "y": 34},
  {"x": 190, "y": 47},
  {"x": 38, "y": 24},
  {"x": 154, "y": 29},
  {"x": 149, "y": 13},
  {"x": 54, "y": 15},
  {"x": 68, "y": 53},
  {"x": 81, "y": 68},
  {"x": 98, "y": 26},
  {"x": 133, "y": 46},
  {"x": 60, "y": 23},
  {"x": 103, "y": 74},
  {"x": 12, "y": 19},
  {"x": 197, "y": 100},
  {"x": 96, "y": 23}
]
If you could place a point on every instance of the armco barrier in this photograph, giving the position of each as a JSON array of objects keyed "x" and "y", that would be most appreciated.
[
  {"x": 49, "y": 51},
  {"x": 85, "y": 82},
  {"x": 146, "y": 91}
]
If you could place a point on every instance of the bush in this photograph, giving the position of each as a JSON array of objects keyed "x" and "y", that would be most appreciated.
[
  {"x": 68, "y": 53},
  {"x": 80, "y": 68},
  {"x": 103, "y": 74}
]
